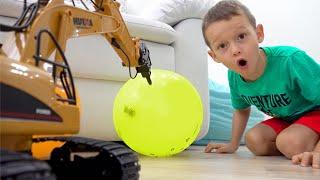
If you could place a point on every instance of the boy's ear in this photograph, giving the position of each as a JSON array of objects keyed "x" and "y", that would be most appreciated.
[
  {"x": 260, "y": 33},
  {"x": 213, "y": 56}
]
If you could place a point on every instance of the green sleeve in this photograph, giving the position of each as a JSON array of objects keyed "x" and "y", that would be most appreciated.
[
  {"x": 236, "y": 100},
  {"x": 304, "y": 74}
]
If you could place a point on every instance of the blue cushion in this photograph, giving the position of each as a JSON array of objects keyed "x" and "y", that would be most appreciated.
[{"x": 221, "y": 112}]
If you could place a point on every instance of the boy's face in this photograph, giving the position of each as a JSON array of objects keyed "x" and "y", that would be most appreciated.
[{"x": 235, "y": 43}]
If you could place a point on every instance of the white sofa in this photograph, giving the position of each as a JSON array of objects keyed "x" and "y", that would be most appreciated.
[{"x": 99, "y": 74}]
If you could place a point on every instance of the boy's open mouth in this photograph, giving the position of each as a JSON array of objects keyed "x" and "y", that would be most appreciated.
[{"x": 242, "y": 62}]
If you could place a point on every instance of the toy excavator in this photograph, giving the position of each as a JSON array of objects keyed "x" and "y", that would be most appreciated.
[{"x": 38, "y": 95}]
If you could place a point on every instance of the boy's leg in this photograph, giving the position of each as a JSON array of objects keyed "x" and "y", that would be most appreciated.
[
  {"x": 302, "y": 136},
  {"x": 261, "y": 139}
]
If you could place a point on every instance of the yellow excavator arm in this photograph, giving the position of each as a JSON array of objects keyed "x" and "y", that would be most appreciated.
[
  {"x": 64, "y": 22},
  {"x": 38, "y": 95}
]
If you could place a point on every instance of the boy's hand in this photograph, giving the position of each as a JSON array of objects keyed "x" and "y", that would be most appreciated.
[
  {"x": 307, "y": 159},
  {"x": 220, "y": 148}
]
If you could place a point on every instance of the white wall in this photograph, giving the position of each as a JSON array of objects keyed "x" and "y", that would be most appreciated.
[{"x": 286, "y": 22}]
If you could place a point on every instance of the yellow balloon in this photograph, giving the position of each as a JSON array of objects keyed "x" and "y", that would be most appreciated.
[{"x": 161, "y": 119}]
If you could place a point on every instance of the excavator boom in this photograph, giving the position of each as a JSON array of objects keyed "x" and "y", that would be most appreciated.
[{"x": 65, "y": 22}]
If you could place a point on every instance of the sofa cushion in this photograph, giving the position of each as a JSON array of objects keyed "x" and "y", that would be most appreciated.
[{"x": 150, "y": 30}]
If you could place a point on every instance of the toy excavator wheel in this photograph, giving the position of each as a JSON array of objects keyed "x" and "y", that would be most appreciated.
[
  {"x": 22, "y": 166},
  {"x": 60, "y": 156},
  {"x": 85, "y": 158}
]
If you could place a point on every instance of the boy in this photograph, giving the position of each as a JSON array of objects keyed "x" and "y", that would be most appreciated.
[{"x": 282, "y": 81}]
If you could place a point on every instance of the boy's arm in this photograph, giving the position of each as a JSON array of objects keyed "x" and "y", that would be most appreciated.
[
  {"x": 239, "y": 120},
  {"x": 239, "y": 123}
]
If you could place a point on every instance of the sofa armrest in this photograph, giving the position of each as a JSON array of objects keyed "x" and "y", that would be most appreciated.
[
  {"x": 191, "y": 61},
  {"x": 168, "y": 11},
  {"x": 149, "y": 30}
]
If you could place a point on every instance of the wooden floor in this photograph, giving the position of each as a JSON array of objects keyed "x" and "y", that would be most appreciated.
[{"x": 195, "y": 164}]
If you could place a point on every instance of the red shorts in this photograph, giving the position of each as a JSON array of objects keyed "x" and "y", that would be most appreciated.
[{"x": 311, "y": 120}]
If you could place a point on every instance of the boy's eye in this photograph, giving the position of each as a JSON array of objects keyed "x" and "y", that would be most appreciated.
[
  {"x": 241, "y": 36},
  {"x": 221, "y": 46}
]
